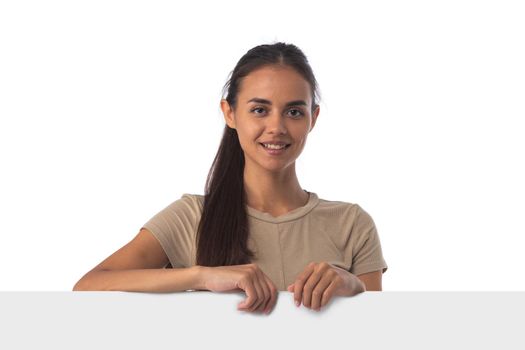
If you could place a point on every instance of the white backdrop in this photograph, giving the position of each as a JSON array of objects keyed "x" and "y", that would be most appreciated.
[{"x": 110, "y": 111}]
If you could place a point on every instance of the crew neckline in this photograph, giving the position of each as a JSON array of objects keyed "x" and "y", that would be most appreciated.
[{"x": 313, "y": 200}]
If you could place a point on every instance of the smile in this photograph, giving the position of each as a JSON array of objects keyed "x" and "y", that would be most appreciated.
[{"x": 274, "y": 151}]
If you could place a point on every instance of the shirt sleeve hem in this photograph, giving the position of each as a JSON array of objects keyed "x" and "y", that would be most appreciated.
[
  {"x": 370, "y": 267},
  {"x": 159, "y": 238}
]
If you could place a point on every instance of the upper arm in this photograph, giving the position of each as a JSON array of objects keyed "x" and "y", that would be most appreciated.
[
  {"x": 372, "y": 280},
  {"x": 142, "y": 252}
]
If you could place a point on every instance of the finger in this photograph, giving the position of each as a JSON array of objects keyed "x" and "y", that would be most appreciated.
[
  {"x": 251, "y": 294},
  {"x": 309, "y": 287},
  {"x": 266, "y": 295},
  {"x": 290, "y": 288},
  {"x": 300, "y": 281},
  {"x": 328, "y": 293},
  {"x": 317, "y": 293},
  {"x": 259, "y": 298},
  {"x": 273, "y": 296}
]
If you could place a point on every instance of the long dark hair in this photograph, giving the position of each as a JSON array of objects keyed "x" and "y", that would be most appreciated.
[{"x": 223, "y": 231}]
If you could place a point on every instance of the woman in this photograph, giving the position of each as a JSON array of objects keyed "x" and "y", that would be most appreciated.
[{"x": 255, "y": 229}]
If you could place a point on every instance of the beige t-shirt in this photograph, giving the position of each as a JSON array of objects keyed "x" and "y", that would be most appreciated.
[{"x": 337, "y": 232}]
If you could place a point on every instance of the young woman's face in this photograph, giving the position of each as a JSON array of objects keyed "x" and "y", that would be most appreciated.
[{"x": 273, "y": 104}]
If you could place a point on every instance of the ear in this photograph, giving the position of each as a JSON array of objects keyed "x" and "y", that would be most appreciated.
[
  {"x": 227, "y": 111},
  {"x": 314, "y": 116}
]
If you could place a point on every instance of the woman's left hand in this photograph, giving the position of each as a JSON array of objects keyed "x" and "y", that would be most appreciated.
[{"x": 319, "y": 282}]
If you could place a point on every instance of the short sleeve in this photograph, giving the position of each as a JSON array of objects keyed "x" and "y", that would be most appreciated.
[
  {"x": 175, "y": 228},
  {"x": 367, "y": 254}
]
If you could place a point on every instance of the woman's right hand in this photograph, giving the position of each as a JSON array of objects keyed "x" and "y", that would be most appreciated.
[{"x": 260, "y": 290}]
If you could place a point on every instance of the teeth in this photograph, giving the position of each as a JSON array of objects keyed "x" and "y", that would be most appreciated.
[{"x": 274, "y": 146}]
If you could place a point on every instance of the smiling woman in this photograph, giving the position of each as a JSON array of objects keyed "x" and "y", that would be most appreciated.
[
  {"x": 284, "y": 116},
  {"x": 255, "y": 228}
]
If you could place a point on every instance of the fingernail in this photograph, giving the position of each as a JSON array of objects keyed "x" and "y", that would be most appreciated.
[{"x": 297, "y": 303}]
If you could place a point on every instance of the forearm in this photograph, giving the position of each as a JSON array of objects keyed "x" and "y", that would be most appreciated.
[{"x": 142, "y": 280}]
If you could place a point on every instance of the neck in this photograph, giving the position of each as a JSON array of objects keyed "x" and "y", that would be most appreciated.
[{"x": 276, "y": 193}]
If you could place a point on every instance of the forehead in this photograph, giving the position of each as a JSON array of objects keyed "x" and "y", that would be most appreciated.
[{"x": 276, "y": 84}]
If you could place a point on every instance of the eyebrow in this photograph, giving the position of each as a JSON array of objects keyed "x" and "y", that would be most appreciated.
[{"x": 291, "y": 103}]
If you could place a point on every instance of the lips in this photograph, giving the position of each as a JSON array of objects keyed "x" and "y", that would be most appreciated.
[
  {"x": 275, "y": 152},
  {"x": 276, "y": 142},
  {"x": 282, "y": 143}
]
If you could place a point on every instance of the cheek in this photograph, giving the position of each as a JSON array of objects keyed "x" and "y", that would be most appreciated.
[
  {"x": 247, "y": 138},
  {"x": 248, "y": 133}
]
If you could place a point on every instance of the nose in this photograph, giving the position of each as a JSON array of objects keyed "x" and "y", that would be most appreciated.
[{"x": 275, "y": 123}]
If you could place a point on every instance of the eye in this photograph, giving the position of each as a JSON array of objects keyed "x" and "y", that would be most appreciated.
[
  {"x": 253, "y": 110},
  {"x": 298, "y": 112}
]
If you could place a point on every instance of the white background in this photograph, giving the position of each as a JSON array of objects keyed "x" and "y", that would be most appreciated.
[{"x": 109, "y": 111}]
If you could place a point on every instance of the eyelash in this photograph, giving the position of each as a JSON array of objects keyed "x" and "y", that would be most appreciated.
[{"x": 293, "y": 109}]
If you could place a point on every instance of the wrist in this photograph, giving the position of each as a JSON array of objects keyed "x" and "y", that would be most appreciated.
[{"x": 200, "y": 273}]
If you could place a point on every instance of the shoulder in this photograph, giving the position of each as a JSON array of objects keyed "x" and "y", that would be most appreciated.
[
  {"x": 192, "y": 199},
  {"x": 349, "y": 212},
  {"x": 188, "y": 205},
  {"x": 339, "y": 206}
]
